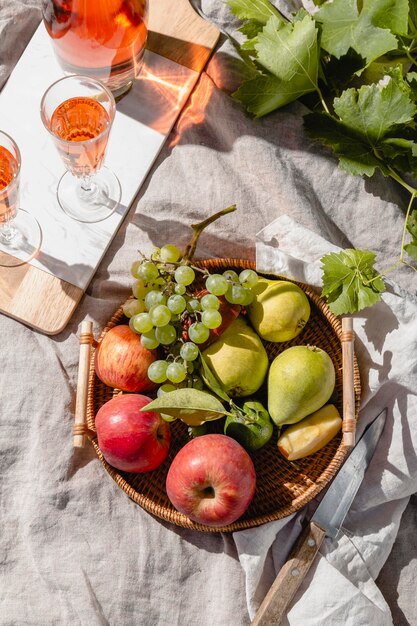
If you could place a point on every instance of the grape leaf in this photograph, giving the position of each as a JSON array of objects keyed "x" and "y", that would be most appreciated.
[
  {"x": 192, "y": 406},
  {"x": 290, "y": 55},
  {"x": 412, "y": 82},
  {"x": 355, "y": 154},
  {"x": 392, "y": 14},
  {"x": 350, "y": 281},
  {"x": 343, "y": 27},
  {"x": 411, "y": 248},
  {"x": 413, "y": 13},
  {"x": 257, "y": 10},
  {"x": 374, "y": 110}
]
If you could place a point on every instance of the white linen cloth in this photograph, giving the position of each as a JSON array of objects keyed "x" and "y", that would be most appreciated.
[
  {"x": 385, "y": 347},
  {"x": 73, "y": 548}
]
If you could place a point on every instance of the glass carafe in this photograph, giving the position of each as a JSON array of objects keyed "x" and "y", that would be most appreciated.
[{"x": 102, "y": 39}]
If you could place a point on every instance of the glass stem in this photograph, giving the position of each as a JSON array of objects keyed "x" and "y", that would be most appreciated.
[
  {"x": 86, "y": 183},
  {"x": 7, "y": 231}
]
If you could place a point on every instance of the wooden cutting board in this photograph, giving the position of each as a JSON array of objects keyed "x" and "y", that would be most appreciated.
[{"x": 44, "y": 293}]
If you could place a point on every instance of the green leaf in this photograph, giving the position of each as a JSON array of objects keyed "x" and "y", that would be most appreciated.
[
  {"x": 192, "y": 406},
  {"x": 263, "y": 94},
  {"x": 212, "y": 381},
  {"x": 413, "y": 13},
  {"x": 290, "y": 53},
  {"x": 355, "y": 154},
  {"x": 258, "y": 10},
  {"x": 412, "y": 82},
  {"x": 392, "y": 14},
  {"x": 251, "y": 29},
  {"x": 343, "y": 27},
  {"x": 411, "y": 248},
  {"x": 350, "y": 281},
  {"x": 374, "y": 110}
]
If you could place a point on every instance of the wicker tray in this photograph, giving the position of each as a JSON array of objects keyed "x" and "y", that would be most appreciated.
[{"x": 282, "y": 487}]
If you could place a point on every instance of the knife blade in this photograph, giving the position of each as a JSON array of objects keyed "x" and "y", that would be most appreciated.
[{"x": 326, "y": 521}]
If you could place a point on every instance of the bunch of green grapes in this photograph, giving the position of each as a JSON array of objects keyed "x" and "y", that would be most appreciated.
[{"x": 166, "y": 311}]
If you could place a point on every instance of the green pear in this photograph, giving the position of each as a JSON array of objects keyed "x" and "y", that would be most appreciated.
[
  {"x": 238, "y": 359},
  {"x": 279, "y": 311},
  {"x": 301, "y": 380}
]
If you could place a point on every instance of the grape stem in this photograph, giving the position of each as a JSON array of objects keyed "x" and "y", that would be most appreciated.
[{"x": 189, "y": 251}]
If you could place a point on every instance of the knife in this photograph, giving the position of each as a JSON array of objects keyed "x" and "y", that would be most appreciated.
[{"x": 326, "y": 522}]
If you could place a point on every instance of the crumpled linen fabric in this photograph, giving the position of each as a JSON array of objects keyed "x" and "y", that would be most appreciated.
[{"x": 73, "y": 547}]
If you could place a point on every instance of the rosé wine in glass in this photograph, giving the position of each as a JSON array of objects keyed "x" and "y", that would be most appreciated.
[
  {"x": 20, "y": 233},
  {"x": 78, "y": 113}
]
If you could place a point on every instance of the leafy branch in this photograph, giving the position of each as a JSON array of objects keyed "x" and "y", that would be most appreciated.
[{"x": 352, "y": 63}]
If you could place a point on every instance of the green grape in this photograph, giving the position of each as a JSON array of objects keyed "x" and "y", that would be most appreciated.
[
  {"x": 157, "y": 371},
  {"x": 211, "y": 318},
  {"x": 198, "y": 332},
  {"x": 184, "y": 275},
  {"x": 249, "y": 296},
  {"x": 175, "y": 372},
  {"x": 189, "y": 351},
  {"x": 170, "y": 253},
  {"x": 140, "y": 289},
  {"x": 236, "y": 294},
  {"x": 142, "y": 323},
  {"x": 248, "y": 278},
  {"x": 155, "y": 254},
  {"x": 193, "y": 305},
  {"x": 149, "y": 340},
  {"x": 133, "y": 307},
  {"x": 135, "y": 267},
  {"x": 217, "y": 284},
  {"x": 166, "y": 334},
  {"x": 160, "y": 315},
  {"x": 165, "y": 388},
  {"x": 180, "y": 289},
  {"x": 209, "y": 301},
  {"x": 153, "y": 298},
  {"x": 176, "y": 304},
  {"x": 231, "y": 275},
  {"x": 148, "y": 271}
]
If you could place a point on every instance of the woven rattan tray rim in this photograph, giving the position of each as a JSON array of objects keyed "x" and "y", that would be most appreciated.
[{"x": 179, "y": 519}]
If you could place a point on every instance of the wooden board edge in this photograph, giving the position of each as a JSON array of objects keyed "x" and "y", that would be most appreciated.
[
  {"x": 178, "y": 33},
  {"x": 58, "y": 298}
]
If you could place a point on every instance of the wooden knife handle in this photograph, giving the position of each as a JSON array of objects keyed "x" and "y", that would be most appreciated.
[{"x": 292, "y": 573}]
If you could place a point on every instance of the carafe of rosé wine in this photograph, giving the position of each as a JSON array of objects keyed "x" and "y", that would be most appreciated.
[{"x": 102, "y": 39}]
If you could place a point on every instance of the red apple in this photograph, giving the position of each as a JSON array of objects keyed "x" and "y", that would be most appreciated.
[
  {"x": 122, "y": 362},
  {"x": 132, "y": 440},
  {"x": 211, "y": 480}
]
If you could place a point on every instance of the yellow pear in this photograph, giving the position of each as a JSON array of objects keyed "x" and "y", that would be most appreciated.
[
  {"x": 279, "y": 311},
  {"x": 238, "y": 359},
  {"x": 310, "y": 434},
  {"x": 301, "y": 380}
]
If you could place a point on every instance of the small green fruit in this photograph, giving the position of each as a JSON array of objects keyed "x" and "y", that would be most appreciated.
[
  {"x": 301, "y": 380},
  {"x": 250, "y": 425},
  {"x": 311, "y": 434},
  {"x": 238, "y": 360},
  {"x": 279, "y": 311}
]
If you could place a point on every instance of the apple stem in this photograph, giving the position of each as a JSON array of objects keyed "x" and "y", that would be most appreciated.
[{"x": 198, "y": 229}]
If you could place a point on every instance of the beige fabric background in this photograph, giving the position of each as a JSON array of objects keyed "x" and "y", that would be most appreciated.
[{"x": 73, "y": 548}]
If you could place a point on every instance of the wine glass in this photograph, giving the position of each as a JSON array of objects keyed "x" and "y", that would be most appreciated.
[
  {"x": 20, "y": 233},
  {"x": 78, "y": 113}
]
